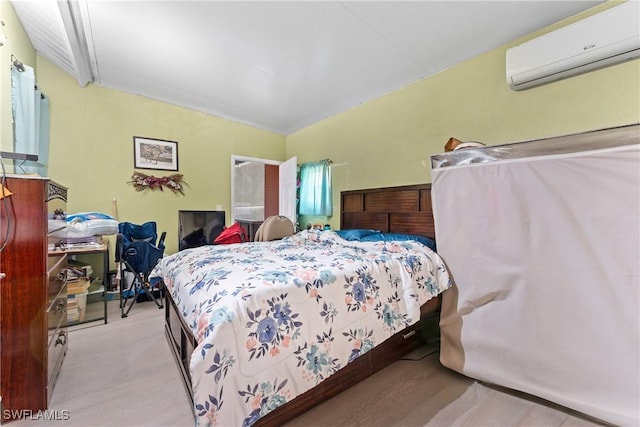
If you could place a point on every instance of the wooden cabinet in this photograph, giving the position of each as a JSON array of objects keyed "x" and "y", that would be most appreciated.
[{"x": 33, "y": 336}]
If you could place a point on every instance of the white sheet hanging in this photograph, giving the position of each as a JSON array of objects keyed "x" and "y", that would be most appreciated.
[{"x": 545, "y": 254}]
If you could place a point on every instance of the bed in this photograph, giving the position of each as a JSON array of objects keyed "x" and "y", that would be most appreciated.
[{"x": 264, "y": 331}]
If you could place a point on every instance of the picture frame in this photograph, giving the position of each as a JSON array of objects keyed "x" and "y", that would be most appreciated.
[{"x": 151, "y": 153}]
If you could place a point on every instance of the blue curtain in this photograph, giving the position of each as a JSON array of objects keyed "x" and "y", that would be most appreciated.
[
  {"x": 30, "y": 109},
  {"x": 315, "y": 189}
]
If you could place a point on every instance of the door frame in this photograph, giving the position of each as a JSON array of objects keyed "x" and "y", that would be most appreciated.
[{"x": 234, "y": 159}]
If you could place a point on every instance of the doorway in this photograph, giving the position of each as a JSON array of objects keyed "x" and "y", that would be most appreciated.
[{"x": 261, "y": 188}]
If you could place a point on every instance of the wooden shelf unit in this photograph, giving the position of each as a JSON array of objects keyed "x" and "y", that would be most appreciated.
[{"x": 33, "y": 297}]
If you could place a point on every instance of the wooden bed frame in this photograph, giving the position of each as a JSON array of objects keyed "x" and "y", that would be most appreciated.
[{"x": 404, "y": 209}]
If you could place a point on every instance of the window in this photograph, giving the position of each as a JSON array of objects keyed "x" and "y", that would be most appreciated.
[{"x": 315, "y": 189}]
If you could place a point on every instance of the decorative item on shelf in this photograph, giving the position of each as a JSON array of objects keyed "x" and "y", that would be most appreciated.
[
  {"x": 141, "y": 181},
  {"x": 454, "y": 144}
]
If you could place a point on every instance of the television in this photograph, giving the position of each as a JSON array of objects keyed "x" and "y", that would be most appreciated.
[{"x": 198, "y": 228}]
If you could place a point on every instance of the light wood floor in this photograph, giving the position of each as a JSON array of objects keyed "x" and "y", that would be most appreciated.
[{"x": 123, "y": 374}]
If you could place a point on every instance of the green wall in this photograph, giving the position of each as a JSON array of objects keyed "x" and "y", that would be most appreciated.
[
  {"x": 17, "y": 44},
  {"x": 92, "y": 132},
  {"x": 389, "y": 141}
]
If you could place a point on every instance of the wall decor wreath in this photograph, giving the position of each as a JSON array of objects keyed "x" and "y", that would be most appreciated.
[{"x": 141, "y": 181}]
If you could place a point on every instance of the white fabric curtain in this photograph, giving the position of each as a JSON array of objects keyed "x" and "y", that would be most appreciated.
[
  {"x": 544, "y": 253},
  {"x": 30, "y": 108}
]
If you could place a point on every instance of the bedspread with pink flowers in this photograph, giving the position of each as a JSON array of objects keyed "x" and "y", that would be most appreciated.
[{"x": 274, "y": 319}]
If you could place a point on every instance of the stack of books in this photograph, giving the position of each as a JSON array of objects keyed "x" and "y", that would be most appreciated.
[
  {"x": 77, "y": 271},
  {"x": 80, "y": 286},
  {"x": 78, "y": 282},
  {"x": 77, "y": 299},
  {"x": 73, "y": 311}
]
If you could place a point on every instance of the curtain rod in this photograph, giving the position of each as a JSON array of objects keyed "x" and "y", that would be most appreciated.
[
  {"x": 17, "y": 63},
  {"x": 335, "y": 165}
]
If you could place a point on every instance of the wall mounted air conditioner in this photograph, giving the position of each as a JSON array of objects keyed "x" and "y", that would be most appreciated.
[{"x": 609, "y": 37}]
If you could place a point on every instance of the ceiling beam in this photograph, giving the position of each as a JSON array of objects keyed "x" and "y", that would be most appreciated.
[{"x": 76, "y": 36}]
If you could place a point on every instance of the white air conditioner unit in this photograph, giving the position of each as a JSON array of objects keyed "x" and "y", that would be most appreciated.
[{"x": 604, "y": 39}]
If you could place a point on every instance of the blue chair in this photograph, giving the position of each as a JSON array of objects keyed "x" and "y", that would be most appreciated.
[{"x": 137, "y": 254}]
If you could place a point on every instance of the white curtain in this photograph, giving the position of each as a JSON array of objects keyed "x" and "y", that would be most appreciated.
[
  {"x": 544, "y": 252},
  {"x": 30, "y": 108}
]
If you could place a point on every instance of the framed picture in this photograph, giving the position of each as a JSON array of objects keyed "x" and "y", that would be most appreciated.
[{"x": 150, "y": 153}]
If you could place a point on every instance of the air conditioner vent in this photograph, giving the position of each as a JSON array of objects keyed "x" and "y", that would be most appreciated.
[{"x": 601, "y": 40}]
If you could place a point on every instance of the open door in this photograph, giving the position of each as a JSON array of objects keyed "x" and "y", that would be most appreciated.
[
  {"x": 250, "y": 175},
  {"x": 288, "y": 174}
]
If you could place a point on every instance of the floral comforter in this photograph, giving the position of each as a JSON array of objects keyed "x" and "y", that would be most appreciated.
[{"x": 274, "y": 319}]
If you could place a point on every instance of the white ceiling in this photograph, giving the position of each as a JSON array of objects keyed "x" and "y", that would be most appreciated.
[{"x": 279, "y": 66}]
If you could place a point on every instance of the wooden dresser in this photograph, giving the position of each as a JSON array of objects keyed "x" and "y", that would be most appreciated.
[{"x": 33, "y": 295}]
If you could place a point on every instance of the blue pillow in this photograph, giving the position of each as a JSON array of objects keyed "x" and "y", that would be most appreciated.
[
  {"x": 389, "y": 237},
  {"x": 356, "y": 233}
]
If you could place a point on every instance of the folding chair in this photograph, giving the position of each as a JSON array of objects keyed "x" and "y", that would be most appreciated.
[
  {"x": 137, "y": 254},
  {"x": 274, "y": 228}
]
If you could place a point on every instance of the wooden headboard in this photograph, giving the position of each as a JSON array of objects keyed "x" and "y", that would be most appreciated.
[{"x": 403, "y": 209}]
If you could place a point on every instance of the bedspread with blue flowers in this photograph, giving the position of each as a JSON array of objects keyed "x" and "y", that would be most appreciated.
[{"x": 274, "y": 319}]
